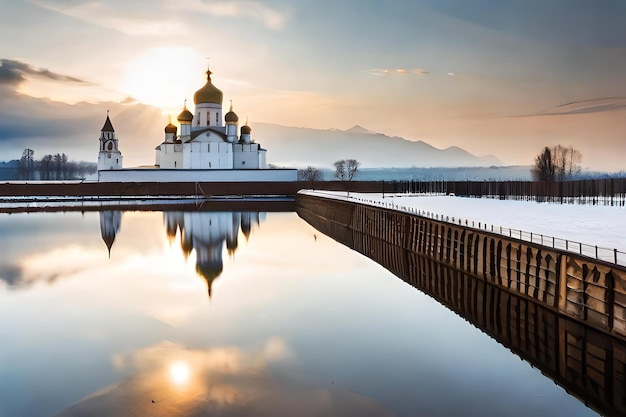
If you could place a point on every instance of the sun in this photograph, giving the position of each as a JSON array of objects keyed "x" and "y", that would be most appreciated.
[
  {"x": 160, "y": 76},
  {"x": 179, "y": 373}
]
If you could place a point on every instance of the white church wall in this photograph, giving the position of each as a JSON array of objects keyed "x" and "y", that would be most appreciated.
[
  {"x": 208, "y": 151},
  {"x": 263, "y": 159},
  {"x": 246, "y": 156},
  {"x": 171, "y": 155},
  {"x": 207, "y": 114},
  {"x": 109, "y": 160},
  {"x": 192, "y": 175}
]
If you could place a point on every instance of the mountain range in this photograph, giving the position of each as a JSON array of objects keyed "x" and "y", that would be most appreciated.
[{"x": 300, "y": 147}]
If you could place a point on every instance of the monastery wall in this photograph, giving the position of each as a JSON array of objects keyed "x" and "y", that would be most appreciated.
[
  {"x": 195, "y": 175},
  {"x": 585, "y": 289}
]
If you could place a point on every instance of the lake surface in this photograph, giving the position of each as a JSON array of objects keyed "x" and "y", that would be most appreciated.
[{"x": 234, "y": 314}]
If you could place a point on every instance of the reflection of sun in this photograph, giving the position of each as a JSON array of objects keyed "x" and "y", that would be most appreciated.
[
  {"x": 179, "y": 372},
  {"x": 159, "y": 76}
]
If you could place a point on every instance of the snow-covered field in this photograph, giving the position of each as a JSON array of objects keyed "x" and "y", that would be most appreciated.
[{"x": 604, "y": 226}]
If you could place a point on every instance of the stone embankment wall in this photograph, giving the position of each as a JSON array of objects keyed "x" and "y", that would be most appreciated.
[
  {"x": 588, "y": 290},
  {"x": 587, "y": 363},
  {"x": 200, "y": 189}
]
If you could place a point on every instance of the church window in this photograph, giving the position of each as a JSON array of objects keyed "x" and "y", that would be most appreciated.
[
  {"x": 217, "y": 119},
  {"x": 208, "y": 147},
  {"x": 208, "y": 118},
  {"x": 243, "y": 162},
  {"x": 109, "y": 156},
  {"x": 110, "y": 146},
  {"x": 209, "y": 164},
  {"x": 174, "y": 164}
]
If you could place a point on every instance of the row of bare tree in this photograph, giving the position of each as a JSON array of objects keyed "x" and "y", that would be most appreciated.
[
  {"x": 558, "y": 163},
  {"x": 55, "y": 166},
  {"x": 345, "y": 170}
]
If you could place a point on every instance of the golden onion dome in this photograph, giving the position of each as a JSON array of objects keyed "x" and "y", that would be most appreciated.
[
  {"x": 185, "y": 115},
  {"x": 209, "y": 93},
  {"x": 170, "y": 128},
  {"x": 246, "y": 130},
  {"x": 231, "y": 116}
]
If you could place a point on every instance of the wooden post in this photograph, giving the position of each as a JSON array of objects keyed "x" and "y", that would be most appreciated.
[{"x": 562, "y": 290}]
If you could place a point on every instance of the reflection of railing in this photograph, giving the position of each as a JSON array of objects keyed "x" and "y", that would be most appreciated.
[
  {"x": 589, "y": 364},
  {"x": 593, "y": 251}
]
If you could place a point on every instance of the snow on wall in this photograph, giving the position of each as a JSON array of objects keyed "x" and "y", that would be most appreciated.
[
  {"x": 197, "y": 175},
  {"x": 604, "y": 226}
]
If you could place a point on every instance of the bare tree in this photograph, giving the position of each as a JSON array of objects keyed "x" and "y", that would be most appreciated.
[
  {"x": 557, "y": 163},
  {"x": 27, "y": 160},
  {"x": 345, "y": 169},
  {"x": 310, "y": 174}
]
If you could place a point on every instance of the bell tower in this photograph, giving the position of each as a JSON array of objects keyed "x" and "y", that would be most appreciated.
[{"x": 109, "y": 156}]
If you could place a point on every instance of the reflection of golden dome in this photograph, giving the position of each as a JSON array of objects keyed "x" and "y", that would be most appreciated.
[
  {"x": 170, "y": 128},
  {"x": 209, "y": 271},
  {"x": 209, "y": 93}
]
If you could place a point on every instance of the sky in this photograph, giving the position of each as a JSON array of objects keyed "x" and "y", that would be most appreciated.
[{"x": 503, "y": 77}]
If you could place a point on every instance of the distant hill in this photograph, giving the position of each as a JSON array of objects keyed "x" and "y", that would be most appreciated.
[{"x": 300, "y": 147}]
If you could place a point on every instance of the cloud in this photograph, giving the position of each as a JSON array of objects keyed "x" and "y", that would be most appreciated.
[
  {"x": 49, "y": 126},
  {"x": 398, "y": 71},
  {"x": 169, "y": 379},
  {"x": 131, "y": 18},
  {"x": 596, "y": 105},
  {"x": 271, "y": 18},
  {"x": 12, "y": 72},
  {"x": 11, "y": 274},
  {"x": 149, "y": 17}
]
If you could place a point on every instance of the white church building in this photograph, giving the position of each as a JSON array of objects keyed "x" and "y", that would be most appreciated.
[{"x": 205, "y": 150}]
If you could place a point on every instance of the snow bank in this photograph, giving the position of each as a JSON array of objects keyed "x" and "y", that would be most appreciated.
[{"x": 604, "y": 226}]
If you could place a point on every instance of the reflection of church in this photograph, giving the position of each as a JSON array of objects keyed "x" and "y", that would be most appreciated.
[
  {"x": 110, "y": 222},
  {"x": 206, "y": 233}
]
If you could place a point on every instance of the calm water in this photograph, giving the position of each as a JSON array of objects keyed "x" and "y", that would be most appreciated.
[{"x": 234, "y": 314}]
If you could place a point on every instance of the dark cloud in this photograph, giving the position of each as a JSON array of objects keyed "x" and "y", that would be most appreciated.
[
  {"x": 12, "y": 72},
  {"x": 10, "y": 274},
  {"x": 49, "y": 126}
]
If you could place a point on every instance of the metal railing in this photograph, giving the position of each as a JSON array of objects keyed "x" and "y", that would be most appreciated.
[{"x": 610, "y": 255}]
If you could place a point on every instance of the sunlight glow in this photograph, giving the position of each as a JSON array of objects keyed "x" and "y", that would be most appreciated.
[
  {"x": 159, "y": 77},
  {"x": 179, "y": 373}
]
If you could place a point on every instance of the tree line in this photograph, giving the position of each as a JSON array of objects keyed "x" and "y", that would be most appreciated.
[
  {"x": 557, "y": 163},
  {"x": 345, "y": 170},
  {"x": 52, "y": 167}
]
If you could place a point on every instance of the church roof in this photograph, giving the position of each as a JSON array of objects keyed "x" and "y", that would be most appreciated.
[
  {"x": 108, "y": 127},
  {"x": 196, "y": 133},
  {"x": 208, "y": 93}
]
